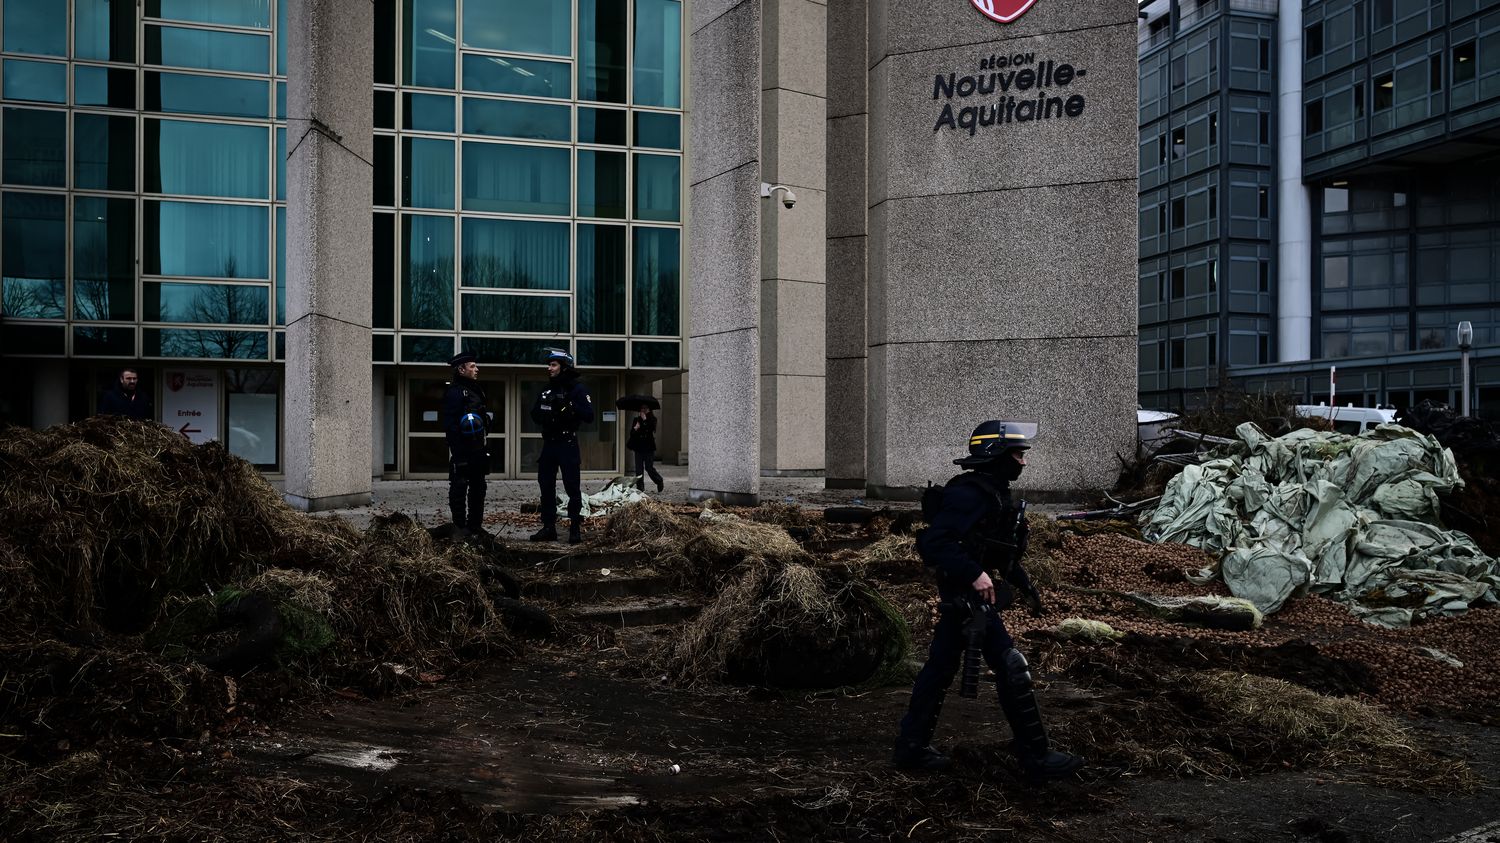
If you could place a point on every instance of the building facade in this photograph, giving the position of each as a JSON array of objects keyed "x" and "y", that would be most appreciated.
[
  {"x": 528, "y": 193},
  {"x": 1320, "y": 187}
]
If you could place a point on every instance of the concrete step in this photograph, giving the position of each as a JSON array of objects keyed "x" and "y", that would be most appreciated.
[
  {"x": 647, "y": 612},
  {"x": 555, "y": 557},
  {"x": 835, "y": 545},
  {"x": 590, "y": 586}
]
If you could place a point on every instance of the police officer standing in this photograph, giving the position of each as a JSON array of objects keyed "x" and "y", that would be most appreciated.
[
  {"x": 975, "y": 531},
  {"x": 559, "y": 410},
  {"x": 466, "y": 423}
]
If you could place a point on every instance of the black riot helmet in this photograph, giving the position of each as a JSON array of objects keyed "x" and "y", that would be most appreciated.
[{"x": 994, "y": 439}]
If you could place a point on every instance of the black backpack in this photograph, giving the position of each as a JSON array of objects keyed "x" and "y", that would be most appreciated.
[{"x": 932, "y": 496}]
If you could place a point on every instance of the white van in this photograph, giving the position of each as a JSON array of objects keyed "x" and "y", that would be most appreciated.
[{"x": 1349, "y": 419}]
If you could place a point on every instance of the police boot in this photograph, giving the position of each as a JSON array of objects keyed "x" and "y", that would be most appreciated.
[
  {"x": 575, "y": 532},
  {"x": 548, "y": 533},
  {"x": 1018, "y": 699},
  {"x": 659, "y": 486},
  {"x": 914, "y": 749}
]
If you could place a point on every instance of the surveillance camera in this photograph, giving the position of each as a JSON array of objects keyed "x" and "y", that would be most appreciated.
[{"x": 789, "y": 199}]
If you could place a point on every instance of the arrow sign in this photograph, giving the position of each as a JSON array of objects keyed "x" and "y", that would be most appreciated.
[{"x": 185, "y": 430}]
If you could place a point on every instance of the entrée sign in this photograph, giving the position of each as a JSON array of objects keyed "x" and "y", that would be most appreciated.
[{"x": 1025, "y": 90}]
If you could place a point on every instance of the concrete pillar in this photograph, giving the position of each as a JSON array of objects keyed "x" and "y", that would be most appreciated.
[
  {"x": 1293, "y": 204},
  {"x": 671, "y": 430},
  {"x": 724, "y": 250},
  {"x": 847, "y": 232},
  {"x": 49, "y": 392},
  {"x": 1002, "y": 262},
  {"x": 793, "y": 128},
  {"x": 328, "y": 431}
]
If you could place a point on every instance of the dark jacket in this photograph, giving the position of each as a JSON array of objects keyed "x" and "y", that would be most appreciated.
[
  {"x": 642, "y": 434},
  {"x": 462, "y": 397},
  {"x": 975, "y": 530},
  {"x": 116, "y": 402},
  {"x": 562, "y": 407}
]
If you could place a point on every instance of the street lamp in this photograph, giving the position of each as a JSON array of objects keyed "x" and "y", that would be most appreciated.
[{"x": 1465, "y": 342}]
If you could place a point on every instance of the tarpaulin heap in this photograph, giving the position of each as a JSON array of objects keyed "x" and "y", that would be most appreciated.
[{"x": 1351, "y": 517}]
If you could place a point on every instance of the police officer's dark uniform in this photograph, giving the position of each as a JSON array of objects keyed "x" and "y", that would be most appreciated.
[
  {"x": 466, "y": 424},
  {"x": 975, "y": 533},
  {"x": 559, "y": 410}
]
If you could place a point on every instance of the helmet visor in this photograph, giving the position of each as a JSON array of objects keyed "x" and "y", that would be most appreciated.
[{"x": 1008, "y": 432}]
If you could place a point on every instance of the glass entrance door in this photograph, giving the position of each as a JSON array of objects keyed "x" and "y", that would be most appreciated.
[
  {"x": 426, "y": 444},
  {"x": 599, "y": 440}
]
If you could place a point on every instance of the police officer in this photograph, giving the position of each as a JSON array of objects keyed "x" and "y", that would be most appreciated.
[
  {"x": 466, "y": 422},
  {"x": 976, "y": 531},
  {"x": 559, "y": 410}
]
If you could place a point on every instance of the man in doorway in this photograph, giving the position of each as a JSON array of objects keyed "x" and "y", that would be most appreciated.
[
  {"x": 125, "y": 398},
  {"x": 466, "y": 422},
  {"x": 559, "y": 410}
]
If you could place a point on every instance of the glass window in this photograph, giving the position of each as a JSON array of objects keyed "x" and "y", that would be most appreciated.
[
  {"x": 102, "y": 341},
  {"x": 658, "y": 188},
  {"x": 36, "y": 26},
  {"x": 662, "y": 131},
  {"x": 426, "y": 173},
  {"x": 601, "y": 125},
  {"x": 206, "y": 159},
  {"x": 655, "y": 355},
  {"x": 103, "y": 86},
  {"x": 282, "y": 36},
  {"x": 601, "y": 184},
  {"x": 216, "y": 304},
  {"x": 1335, "y": 272},
  {"x": 38, "y": 81},
  {"x": 250, "y": 403},
  {"x": 203, "y": 240},
  {"x": 280, "y": 100},
  {"x": 385, "y": 170},
  {"x": 525, "y": 77},
  {"x": 517, "y": 351},
  {"x": 602, "y": 30},
  {"x": 208, "y": 50},
  {"x": 104, "y": 152},
  {"x": 383, "y": 350},
  {"x": 657, "y": 277},
  {"x": 513, "y": 119},
  {"x": 521, "y": 26},
  {"x": 383, "y": 270},
  {"x": 183, "y": 93},
  {"x": 515, "y": 254},
  {"x": 524, "y": 314},
  {"x": 427, "y": 274},
  {"x": 210, "y": 344},
  {"x": 385, "y": 109},
  {"x": 658, "y": 53},
  {"x": 280, "y": 164},
  {"x": 426, "y": 350},
  {"x": 517, "y": 179},
  {"x": 35, "y": 144},
  {"x": 601, "y": 352},
  {"x": 103, "y": 258},
  {"x": 104, "y": 30},
  {"x": 33, "y": 340},
  {"x": 601, "y": 279},
  {"x": 427, "y": 52},
  {"x": 254, "y": 13},
  {"x": 385, "y": 42},
  {"x": 280, "y": 291},
  {"x": 427, "y": 112},
  {"x": 33, "y": 256}
]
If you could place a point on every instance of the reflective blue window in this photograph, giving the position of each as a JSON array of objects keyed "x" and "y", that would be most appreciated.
[
  {"x": 207, "y": 159},
  {"x": 601, "y": 279},
  {"x": 427, "y": 274},
  {"x": 601, "y": 184},
  {"x": 203, "y": 240},
  {"x": 520, "y": 26},
  {"x": 525, "y": 77},
  {"x": 654, "y": 302},
  {"x": 602, "y": 30},
  {"x": 427, "y": 112},
  {"x": 429, "y": 33},
  {"x": 655, "y": 355},
  {"x": 36, "y": 145},
  {"x": 280, "y": 164},
  {"x": 208, "y": 50},
  {"x": 255, "y": 13},
  {"x": 517, "y": 179},
  {"x": 183, "y": 93},
  {"x": 38, "y": 81},
  {"x": 601, "y": 125},
  {"x": 103, "y": 152},
  {"x": 519, "y": 314},
  {"x": 658, "y": 53},
  {"x": 104, "y": 30},
  {"x": 661, "y": 131},
  {"x": 282, "y": 34},
  {"x": 426, "y": 173},
  {"x": 103, "y": 258},
  {"x": 658, "y": 188},
  {"x": 205, "y": 344},
  {"x": 211, "y": 304},
  {"x": 517, "y": 254},
  {"x": 33, "y": 256},
  {"x": 280, "y": 100},
  {"x": 281, "y": 266},
  {"x": 103, "y": 341},
  {"x": 36, "y": 26},
  {"x": 104, "y": 86},
  {"x": 516, "y": 119}
]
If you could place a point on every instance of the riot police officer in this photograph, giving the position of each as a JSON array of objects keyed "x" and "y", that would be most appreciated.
[
  {"x": 976, "y": 530},
  {"x": 559, "y": 410},
  {"x": 466, "y": 422}
]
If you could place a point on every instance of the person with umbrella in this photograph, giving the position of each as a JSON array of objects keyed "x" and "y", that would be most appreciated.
[
  {"x": 642, "y": 439},
  {"x": 559, "y": 410}
]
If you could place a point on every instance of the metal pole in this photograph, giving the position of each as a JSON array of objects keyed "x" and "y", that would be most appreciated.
[{"x": 1464, "y": 402}]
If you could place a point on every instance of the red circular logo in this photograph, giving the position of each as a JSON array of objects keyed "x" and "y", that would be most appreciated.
[{"x": 1003, "y": 11}]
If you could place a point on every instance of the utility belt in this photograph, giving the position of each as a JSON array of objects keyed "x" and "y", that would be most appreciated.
[{"x": 560, "y": 437}]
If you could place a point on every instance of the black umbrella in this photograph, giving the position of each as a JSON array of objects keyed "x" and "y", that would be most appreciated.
[{"x": 635, "y": 402}]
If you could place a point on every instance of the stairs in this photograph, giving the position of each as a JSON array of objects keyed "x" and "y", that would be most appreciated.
[{"x": 617, "y": 589}]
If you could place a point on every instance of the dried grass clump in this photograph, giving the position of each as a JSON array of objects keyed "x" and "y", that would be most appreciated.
[
  {"x": 1297, "y": 724},
  {"x": 889, "y": 549},
  {"x": 699, "y": 551}
]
